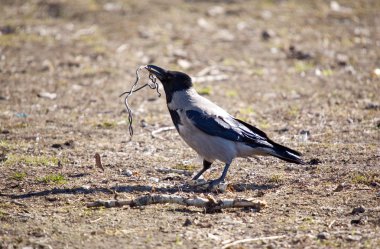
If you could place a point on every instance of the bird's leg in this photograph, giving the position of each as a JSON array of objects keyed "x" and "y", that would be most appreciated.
[
  {"x": 216, "y": 182},
  {"x": 206, "y": 166}
]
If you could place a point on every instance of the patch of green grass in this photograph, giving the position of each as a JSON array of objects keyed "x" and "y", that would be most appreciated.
[
  {"x": 14, "y": 159},
  {"x": 19, "y": 125},
  {"x": 3, "y": 213},
  {"x": 264, "y": 124},
  {"x": 230, "y": 62},
  {"x": 293, "y": 111},
  {"x": 88, "y": 71},
  {"x": 19, "y": 176},
  {"x": 185, "y": 167},
  {"x": 359, "y": 179},
  {"x": 205, "y": 90},
  {"x": 92, "y": 5},
  {"x": 308, "y": 220},
  {"x": 276, "y": 178},
  {"x": 53, "y": 179},
  {"x": 303, "y": 227},
  {"x": 4, "y": 144},
  {"x": 257, "y": 71},
  {"x": 302, "y": 66},
  {"x": 178, "y": 240},
  {"x": 231, "y": 93},
  {"x": 94, "y": 41},
  {"x": 246, "y": 111},
  {"x": 327, "y": 72},
  {"x": 107, "y": 125},
  {"x": 365, "y": 178},
  {"x": 16, "y": 39},
  {"x": 329, "y": 243},
  {"x": 148, "y": 239}
]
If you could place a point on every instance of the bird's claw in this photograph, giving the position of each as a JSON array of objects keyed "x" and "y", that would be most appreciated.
[{"x": 217, "y": 185}]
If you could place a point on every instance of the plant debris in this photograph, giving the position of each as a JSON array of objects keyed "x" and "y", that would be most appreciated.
[
  {"x": 98, "y": 162},
  {"x": 152, "y": 84},
  {"x": 209, "y": 203}
]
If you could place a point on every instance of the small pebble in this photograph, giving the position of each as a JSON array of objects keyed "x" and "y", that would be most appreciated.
[
  {"x": 314, "y": 161},
  {"x": 47, "y": 95},
  {"x": 57, "y": 146},
  {"x": 323, "y": 236},
  {"x": 358, "y": 210},
  {"x": 216, "y": 10},
  {"x": 86, "y": 187},
  {"x": 265, "y": 35},
  {"x": 127, "y": 172},
  {"x": 51, "y": 198},
  {"x": 376, "y": 72},
  {"x": 154, "y": 179},
  {"x": 187, "y": 223},
  {"x": 305, "y": 135},
  {"x": 356, "y": 221},
  {"x": 353, "y": 237}
]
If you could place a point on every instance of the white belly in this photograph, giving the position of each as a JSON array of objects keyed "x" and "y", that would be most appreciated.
[
  {"x": 210, "y": 148},
  {"x": 213, "y": 148}
]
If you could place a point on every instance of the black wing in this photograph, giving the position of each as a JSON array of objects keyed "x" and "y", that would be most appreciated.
[{"x": 227, "y": 127}]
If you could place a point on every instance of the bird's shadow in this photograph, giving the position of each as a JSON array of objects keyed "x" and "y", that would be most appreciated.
[{"x": 134, "y": 189}]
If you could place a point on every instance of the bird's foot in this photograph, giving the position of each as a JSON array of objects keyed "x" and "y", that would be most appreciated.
[{"x": 217, "y": 185}]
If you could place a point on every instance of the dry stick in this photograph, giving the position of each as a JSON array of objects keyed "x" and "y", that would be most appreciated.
[
  {"x": 252, "y": 239},
  {"x": 19, "y": 203},
  {"x": 98, "y": 162},
  {"x": 331, "y": 224},
  {"x": 162, "y": 129},
  {"x": 177, "y": 171},
  {"x": 207, "y": 78},
  {"x": 98, "y": 219},
  {"x": 209, "y": 203}
]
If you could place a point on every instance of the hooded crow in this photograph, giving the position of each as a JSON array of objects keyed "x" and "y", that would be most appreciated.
[{"x": 211, "y": 131}]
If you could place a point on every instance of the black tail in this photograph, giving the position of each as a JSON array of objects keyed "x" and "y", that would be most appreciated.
[
  {"x": 273, "y": 149},
  {"x": 285, "y": 153}
]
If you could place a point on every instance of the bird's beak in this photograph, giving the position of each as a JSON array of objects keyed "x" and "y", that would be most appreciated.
[{"x": 160, "y": 73}]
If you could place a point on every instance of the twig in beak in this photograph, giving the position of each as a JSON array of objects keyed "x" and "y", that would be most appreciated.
[{"x": 152, "y": 85}]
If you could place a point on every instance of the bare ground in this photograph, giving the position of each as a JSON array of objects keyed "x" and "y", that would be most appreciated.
[{"x": 303, "y": 71}]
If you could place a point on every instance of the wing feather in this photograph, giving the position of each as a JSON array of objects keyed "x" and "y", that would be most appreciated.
[{"x": 228, "y": 128}]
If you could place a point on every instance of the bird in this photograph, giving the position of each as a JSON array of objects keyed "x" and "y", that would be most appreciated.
[{"x": 210, "y": 130}]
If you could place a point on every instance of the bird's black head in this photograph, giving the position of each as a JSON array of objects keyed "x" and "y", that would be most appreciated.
[{"x": 171, "y": 80}]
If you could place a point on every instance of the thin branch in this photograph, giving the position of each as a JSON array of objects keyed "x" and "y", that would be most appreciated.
[
  {"x": 162, "y": 129},
  {"x": 210, "y": 78},
  {"x": 98, "y": 162},
  {"x": 210, "y": 203},
  {"x": 331, "y": 224},
  {"x": 177, "y": 171},
  {"x": 252, "y": 239}
]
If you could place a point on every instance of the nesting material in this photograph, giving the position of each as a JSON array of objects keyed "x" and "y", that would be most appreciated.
[{"x": 152, "y": 85}]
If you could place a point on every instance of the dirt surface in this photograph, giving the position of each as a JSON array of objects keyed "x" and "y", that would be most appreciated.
[{"x": 305, "y": 72}]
